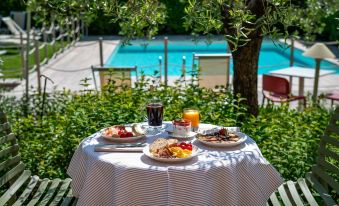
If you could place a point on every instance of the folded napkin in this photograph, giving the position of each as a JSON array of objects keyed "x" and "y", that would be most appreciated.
[{"x": 115, "y": 148}]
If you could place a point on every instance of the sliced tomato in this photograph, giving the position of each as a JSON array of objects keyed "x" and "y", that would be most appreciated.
[
  {"x": 189, "y": 147},
  {"x": 129, "y": 134}
]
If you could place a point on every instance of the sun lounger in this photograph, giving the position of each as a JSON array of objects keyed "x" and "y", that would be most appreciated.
[
  {"x": 19, "y": 17},
  {"x": 14, "y": 28},
  {"x": 213, "y": 69}
]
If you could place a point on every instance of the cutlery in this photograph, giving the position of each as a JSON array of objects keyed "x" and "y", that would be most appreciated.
[
  {"x": 122, "y": 145},
  {"x": 119, "y": 147}
]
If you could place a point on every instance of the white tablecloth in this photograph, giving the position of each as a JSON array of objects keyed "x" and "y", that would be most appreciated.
[{"x": 234, "y": 176}]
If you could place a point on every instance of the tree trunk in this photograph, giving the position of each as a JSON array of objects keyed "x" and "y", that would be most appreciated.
[
  {"x": 245, "y": 76},
  {"x": 245, "y": 58}
]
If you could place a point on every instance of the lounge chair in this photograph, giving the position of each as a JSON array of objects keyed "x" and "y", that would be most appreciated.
[
  {"x": 19, "y": 17},
  {"x": 121, "y": 76},
  {"x": 15, "y": 29},
  {"x": 213, "y": 69},
  {"x": 14, "y": 39}
]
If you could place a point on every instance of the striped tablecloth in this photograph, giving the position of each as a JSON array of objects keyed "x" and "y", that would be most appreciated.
[{"x": 234, "y": 176}]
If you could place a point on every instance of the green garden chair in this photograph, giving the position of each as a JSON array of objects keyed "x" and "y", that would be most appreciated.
[
  {"x": 17, "y": 185},
  {"x": 321, "y": 185}
]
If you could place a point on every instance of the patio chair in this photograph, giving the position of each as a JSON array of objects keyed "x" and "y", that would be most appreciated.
[
  {"x": 333, "y": 96},
  {"x": 120, "y": 76},
  {"x": 17, "y": 185},
  {"x": 277, "y": 89},
  {"x": 213, "y": 69},
  {"x": 322, "y": 181},
  {"x": 13, "y": 27}
]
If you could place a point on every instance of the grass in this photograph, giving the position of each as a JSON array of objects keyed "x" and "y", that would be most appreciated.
[{"x": 12, "y": 64}]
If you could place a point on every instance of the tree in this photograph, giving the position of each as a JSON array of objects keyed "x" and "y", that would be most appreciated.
[{"x": 244, "y": 23}]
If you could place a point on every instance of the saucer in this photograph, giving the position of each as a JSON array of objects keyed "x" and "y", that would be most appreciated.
[{"x": 189, "y": 136}]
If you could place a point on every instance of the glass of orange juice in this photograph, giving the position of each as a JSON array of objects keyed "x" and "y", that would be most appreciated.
[{"x": 192, "y": 115}]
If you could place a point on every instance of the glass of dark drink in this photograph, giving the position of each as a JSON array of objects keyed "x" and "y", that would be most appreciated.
[{"x": 155, "y": 112}]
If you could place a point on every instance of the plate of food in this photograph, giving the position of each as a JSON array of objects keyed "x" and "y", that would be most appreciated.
[
  {"x": 222, "y": 138},
  {"x": 122, "y": 133},
  {"x": 170, "y": 150}
]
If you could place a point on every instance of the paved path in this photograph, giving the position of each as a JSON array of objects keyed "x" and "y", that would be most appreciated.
[{"x": 69, "y": 68}]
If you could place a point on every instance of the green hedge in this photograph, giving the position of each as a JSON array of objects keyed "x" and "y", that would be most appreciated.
[{"x": 287, "y": 138}]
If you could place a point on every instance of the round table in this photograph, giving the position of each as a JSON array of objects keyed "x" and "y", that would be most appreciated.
[{"x": 238, "y": 175}]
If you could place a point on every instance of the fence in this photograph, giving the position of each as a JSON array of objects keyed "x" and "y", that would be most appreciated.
[
  {"x": 55, "y": 40},
  {"x": 46, "y": 44}
]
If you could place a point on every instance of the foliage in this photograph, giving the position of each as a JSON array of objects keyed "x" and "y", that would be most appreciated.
[
  {"x": 287, "y": 138},
  {"x": 330, "y": 32},
  {"x": 6, "y": 6},
  {"x": 138, "y": 18},
  {"x": 238, "y": 20}
]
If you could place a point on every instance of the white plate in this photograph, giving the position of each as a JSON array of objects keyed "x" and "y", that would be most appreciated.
[
  {"x": 189, "y": 136},
  {"x": 121, "y": 140},
  {"x": 126, "y": 139},
  {"x": 242, "y": 138},
  {"x": 195, "y": 152}
]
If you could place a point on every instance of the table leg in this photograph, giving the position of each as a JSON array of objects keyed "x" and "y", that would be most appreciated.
[
  {"x": 301, "y": 89},
  {"x": 291, "y": 82}
]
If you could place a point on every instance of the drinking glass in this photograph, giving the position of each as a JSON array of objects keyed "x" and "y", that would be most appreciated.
[
  {"x": 154, "y": 110},
  {"x": 192, "y": 115}
]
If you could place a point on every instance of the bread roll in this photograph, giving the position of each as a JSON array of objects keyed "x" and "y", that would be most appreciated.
[{"x": 157, "y": 144}]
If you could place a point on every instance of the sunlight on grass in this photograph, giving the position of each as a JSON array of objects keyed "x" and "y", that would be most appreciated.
[{"x": 12, "y": 66}]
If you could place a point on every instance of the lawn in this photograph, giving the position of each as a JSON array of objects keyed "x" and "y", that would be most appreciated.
[{"x": 12, "y": 65}]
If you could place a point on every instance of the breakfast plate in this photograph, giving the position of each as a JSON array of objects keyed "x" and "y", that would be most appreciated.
[
  {"x": 222, "y": 143},
  {"x": 121, "y": 140},
  {"x": 195, "y": 152},
  {"x": 121, "y": 133}
]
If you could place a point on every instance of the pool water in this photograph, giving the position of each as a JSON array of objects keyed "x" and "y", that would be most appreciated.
[{"x": 146, "y": 58}]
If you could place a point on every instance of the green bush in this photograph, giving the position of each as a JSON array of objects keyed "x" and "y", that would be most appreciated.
[{"x": 287, "y": 138}]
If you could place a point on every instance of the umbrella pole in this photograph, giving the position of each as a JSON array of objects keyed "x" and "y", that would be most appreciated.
[{"x": 316, "y": 79}]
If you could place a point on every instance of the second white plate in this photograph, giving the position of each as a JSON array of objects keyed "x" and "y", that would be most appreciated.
[
  {"x": 195, "y": 152},
  {"x": 242, "y": 138}
]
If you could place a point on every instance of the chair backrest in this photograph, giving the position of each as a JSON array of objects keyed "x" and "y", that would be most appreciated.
[
  {"x": 13, "y": 26},
  {"x": 119, "y": 75},
  {"x": 10, "y": 160},
  {"x": 213, "y": 69},
  {"x": 325, "y": 174},
  {"x": 19, "y": 17},
  {"x": 275, "y": 85}
]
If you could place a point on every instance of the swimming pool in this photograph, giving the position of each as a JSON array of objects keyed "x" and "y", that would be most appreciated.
[{"x": 146, "y": 58}]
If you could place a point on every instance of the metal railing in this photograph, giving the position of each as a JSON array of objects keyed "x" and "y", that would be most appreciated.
[{"x": 55, "y": 40}]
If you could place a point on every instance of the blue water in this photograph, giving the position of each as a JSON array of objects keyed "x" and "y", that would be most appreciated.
[{"x": 146, "y": 58}]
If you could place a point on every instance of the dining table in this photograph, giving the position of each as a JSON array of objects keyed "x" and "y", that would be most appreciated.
[
  {"x": 301, "y": 73},
  {"x": 231, "y": 175}
]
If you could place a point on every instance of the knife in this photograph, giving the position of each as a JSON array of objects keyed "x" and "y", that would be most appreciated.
[
  {"x": 138, "y": 144},
  {"x": 119, "y": 148}
]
